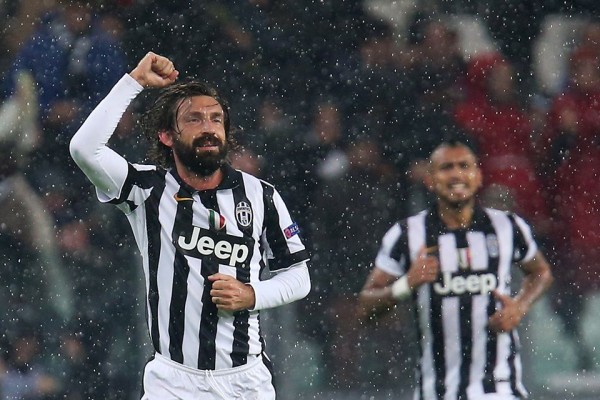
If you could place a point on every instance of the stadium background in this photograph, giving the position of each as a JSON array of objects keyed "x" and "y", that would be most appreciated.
[{"x": 337, "y": 102}]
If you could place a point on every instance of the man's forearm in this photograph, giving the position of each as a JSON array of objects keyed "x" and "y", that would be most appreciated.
[
  {"x": 88, "y": 146},
  {"x": 285, "y": 287},
  {"x": 538, "y": 278},
  {"x": 533, "y": 286}
]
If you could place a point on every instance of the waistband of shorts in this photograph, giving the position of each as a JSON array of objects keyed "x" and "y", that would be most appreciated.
[{"x": 253, "y": 360}]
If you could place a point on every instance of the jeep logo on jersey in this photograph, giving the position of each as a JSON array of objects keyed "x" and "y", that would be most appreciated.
[
  {"x": 455, "y": 285},
  {"x": 243, "y": 213},
  {"x": 224, "y": 249}
]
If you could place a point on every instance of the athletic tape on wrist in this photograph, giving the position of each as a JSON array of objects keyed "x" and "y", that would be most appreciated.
[{"x": 400, "y": 288}]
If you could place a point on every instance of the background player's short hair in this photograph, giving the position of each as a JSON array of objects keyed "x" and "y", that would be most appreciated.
[{"x": 457, "y": 140}]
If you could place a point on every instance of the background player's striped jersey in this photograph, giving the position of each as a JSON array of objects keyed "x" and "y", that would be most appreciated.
[
  {"x": 186, "y": 235},
  {"x": 460, "y": 357}
]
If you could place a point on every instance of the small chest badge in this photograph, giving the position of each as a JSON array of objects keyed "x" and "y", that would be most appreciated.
[
  {"x": 243, "y": 213},
  {"x": 215, "y": 220},
  {"x": 492, "y": 245}
]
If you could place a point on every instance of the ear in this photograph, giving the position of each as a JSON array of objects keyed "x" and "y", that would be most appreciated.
[{"x": 165, "y": 138}]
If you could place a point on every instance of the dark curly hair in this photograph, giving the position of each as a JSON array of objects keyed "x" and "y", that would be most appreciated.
[{"x": 162, "y": 116}]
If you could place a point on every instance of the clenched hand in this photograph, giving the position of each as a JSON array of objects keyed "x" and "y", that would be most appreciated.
[
  {"x": 229, "y": 294},
  {"x": 154, "y": 71}
]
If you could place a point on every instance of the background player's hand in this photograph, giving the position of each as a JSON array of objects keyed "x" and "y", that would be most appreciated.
[
  {"x": 154, "y": 71},
  {"x": 424, "y": 269},
  {"x": 229, "y": 294},
  {"x": 508, "y": 316}
]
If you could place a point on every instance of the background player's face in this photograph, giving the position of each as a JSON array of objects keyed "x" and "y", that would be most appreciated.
[
  {"x": 199, "y": 142},
  {"x": 454, "y": 175}
]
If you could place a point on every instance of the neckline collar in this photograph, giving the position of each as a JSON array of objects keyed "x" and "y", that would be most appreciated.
[
  {"x": 231, "y": 179},
  {"x": 477, "y": 218}
]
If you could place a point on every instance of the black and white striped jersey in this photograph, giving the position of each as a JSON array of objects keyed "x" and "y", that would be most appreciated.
[
  {"x": 460, "y": 358},
  {"x": 186, "y": 235}
]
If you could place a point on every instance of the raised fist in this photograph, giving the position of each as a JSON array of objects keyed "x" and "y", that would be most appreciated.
[{"x": 154, "y": 71}]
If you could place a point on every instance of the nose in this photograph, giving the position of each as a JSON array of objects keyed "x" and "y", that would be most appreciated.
[
  {"x": 457, "y": 173},
  {"x": 208, "y": 126}
]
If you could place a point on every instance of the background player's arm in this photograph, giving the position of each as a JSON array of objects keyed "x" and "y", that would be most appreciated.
[
  {"x": 376, "y": 295},
  {"x": 538, "y": 278},
  {"x": 379, "y": 295}
]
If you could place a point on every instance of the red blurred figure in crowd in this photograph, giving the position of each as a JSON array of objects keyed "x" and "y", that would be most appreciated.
[
  {"x": 494, "y": 116},
  {"x": 571, "y": 154}
]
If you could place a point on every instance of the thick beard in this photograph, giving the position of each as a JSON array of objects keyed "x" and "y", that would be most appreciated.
[{"x": 203, "y": 164}]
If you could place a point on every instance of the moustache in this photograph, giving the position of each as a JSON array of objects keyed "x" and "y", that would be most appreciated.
[{"x": 207, "y": 140}]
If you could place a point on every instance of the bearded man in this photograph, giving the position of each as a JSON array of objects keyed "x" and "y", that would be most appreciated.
[{"x": 205, "y": 232}]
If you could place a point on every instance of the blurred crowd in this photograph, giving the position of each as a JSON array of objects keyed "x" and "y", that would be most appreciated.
[{"x": 337, "y": 107}]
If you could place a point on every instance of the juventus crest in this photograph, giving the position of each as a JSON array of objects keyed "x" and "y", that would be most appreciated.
[{"x": 243, "y": 214}]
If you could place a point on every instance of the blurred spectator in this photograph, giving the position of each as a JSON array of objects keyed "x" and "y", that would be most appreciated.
[
  {"x": 74, "y": 63},
  {"x": 38, "y": 276},
  {"x": 570, "y": 152},
  {"x": 276, "y": 138},
  {"x": 172, "y": 28},
  {"x": 322, "y": 157},
  {"x": 25, "y": 378},
  {"x": 590, "y": 37},
  {"x": 376, "y": 79},
  {"x": 513, "y": 25},
  {"x": 492, "y": 114},
  {"x": 76, "y": 56},
  {"x": 337, "y": 27},
  {"x": 437, "y": 73},
  {"x": 75, "y": 371},
  {"x": 357, "y": 204},
  {"x": 20, "y": 20},
  {"x": 83, "y": 363},
  {"x": 246, "y": 160},
  {"x": 273, "y": 136},
  {"x": 106, "y": 309}
]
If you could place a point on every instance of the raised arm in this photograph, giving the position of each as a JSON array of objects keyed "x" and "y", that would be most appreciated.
[{"x": 104, "y": 168}]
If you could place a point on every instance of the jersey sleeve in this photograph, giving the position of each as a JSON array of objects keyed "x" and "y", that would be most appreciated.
[
  {"x": 138, "y": 186},
  {"x": 285, "y": 287},
  {"x": 282, "y": 235},
  {"x": 106, "y": 169},
  {"x": 392, "y": 254},
  {"x": 524, "y": 243}
]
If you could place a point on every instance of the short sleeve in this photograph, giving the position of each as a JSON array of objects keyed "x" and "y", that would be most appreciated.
[
  {"x": 392, "y": 254},
  {"x": 282, "y": 233},
  {"x": 524, "y": 243}
]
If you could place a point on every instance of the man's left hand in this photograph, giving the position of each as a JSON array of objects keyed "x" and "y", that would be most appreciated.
[{"x": 508, "y": 316}]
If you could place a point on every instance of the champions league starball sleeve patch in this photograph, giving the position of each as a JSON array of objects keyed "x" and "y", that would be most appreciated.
[{"x": 291, "y": 230}]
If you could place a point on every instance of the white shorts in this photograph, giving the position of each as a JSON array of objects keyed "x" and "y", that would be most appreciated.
[
  {"x": 493, "y": 396},
  {"x": 165, "y": 379}
]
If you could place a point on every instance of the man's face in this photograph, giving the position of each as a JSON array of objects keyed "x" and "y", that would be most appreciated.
[
  {"x": 454, "y": 176},
  {"x": 199, "y": 141}
]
